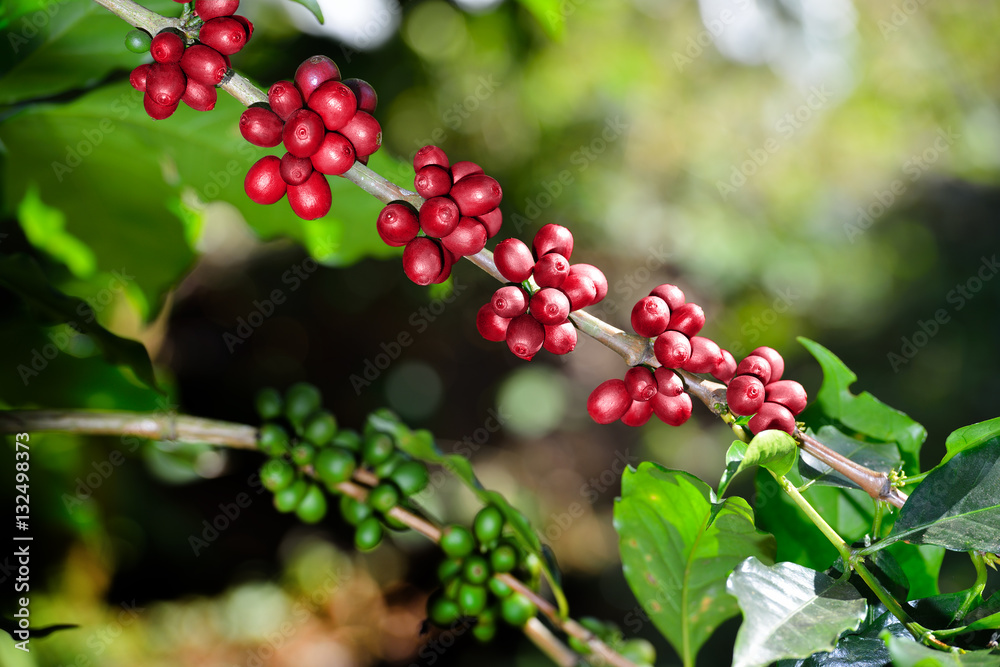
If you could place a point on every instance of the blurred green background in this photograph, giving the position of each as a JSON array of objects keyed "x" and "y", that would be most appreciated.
[{"x": 825, "y": 169}]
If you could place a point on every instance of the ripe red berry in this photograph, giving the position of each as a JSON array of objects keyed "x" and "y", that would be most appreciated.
[
  {"x": 510, "y": 301},
  {"x": 513, "y": 260},
  {"x": 295, "y": 170},
  {"x": 439, "y": 217},
  {"x": 198, "y": 96},
  {"x": 335, "y": 155},
  {"x": 432, "y": 181},
  {"x": 688, "y": 318},
  {"x": 705, "y": 355},
  {"x": 204, "y": 64},
  {"x": 772, "y": 416},
  {"x": 224, "y": 35},
  {"x": 303, "y": 133},
  {"x": 167, "y": 47},
  {"x": 491, "y": 326},
  {"x": 551, "y": 270},
  {"x": 468, "y": 238},
  {"x": 335, "y": 104},
  {"x": 726, "y": 369},
  {"x": 210, "y": 9},
  {"x": 263, "y": 183},
  {"x": 638, "y": 413},
  {"x": 549, "y": 306},
  {"x": 672, "y": 294},
  {"x": 430, "y": 155},
  {"x": 477, "y": 194},
  {"x": 561, "y": 338},
  {"x": 312, "y": 199},
  {"x": 640, "y": 383},
  {"x": 261, "y": 127},
  {"x": 672, "y": 410},
  {"x": 397, "y": 223},
  {"x": 595, "y": 274},
  {"x": 650, "y": 315},
  {"x": 364, "y": 132},
  {"x": 553, "y": 238},
  {"x": 284, "y": 98},
  {"x": 672, "y": 349},
  {"x": 492, "y": 221},
  {"x": 464, "y": 168},
  {"x": 313, "y": 73},
  {"x": 789, "y": 393},
  {"x": 165, "y": 83},
  {"x": 364, "y": 93},
  {"x": 525, "y": 336},
  {"x": 609, "y": 401},
  {"x": 137, "y": 79},
  {"x": 668, "y": 382},
  {"x": 579, "y": 289},
  {"x": 423, "y": 261},
  {"x": 157, "y": 111},
  {"x": 773, "y": 358},
  {"x": 745, "y": 395},
  {"x": 754, "y": 365}
]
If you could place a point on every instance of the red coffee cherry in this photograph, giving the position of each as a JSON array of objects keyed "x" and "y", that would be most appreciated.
[
  {"x": 312, "y": 199},
  {"x": 165, "y": 83},
  {"x": 335, "y": 155},
  {"x": 561, "y": 338},
  {"x": 513, "y": 260},
  {"x": 243, "y": 21},
  {"x": 468, "y": 238},
  {"x": 204, "y": 64},
  {"x": 551, "y": 270},
  {"x": 638, "y": 413},
  {"x": 430, "y": 155},
  {"x": 491, "y": 326},
  {"x": 303, "y": 133},
  {"x": 553, "y": 238},
  {"x": 609, "y": 401},
  {"x": 745, "y": 395},
  {"x": 672, "y": 349},
  {"x": 157, "y": 111},
  {"x": 491, "y": 221},
  {"x": 640, "y": 383},
  {"x": 579, "y": 289},
  {"x": 687, "y": 318},
  {"x": 774, "y": 359},
  {"x": 295, "y": 170},
  {"x": 672, "y": 294},
  {"x": 650, "y": 315},
  {"x": 525, "y": 336},
  {"x": 726, "y": 369},
  {"x": 198, "y": 96},
  {"x": 210, "y": 9},
  {"x": 757, "y": 366},
  {"x": 284, "y": 98},
  {"x": 705, "y": 355},
  {"x": 137, "y": 79},
  {"x": 595, "y": 274},
  {"x": 224, "y": 35},
  {"x": 439, "y": 217},
  {"x": 772, "y": 416},
  {"x": 549, "y": 306},
  {"x": 364, "y": 93},
  {"x": 672, "y": 410},
  {"x": 335, "y": 104},
  {"x": 477, "y": 194},
  {"x": 364, "y": 132},
  {"x": 464, "y": 168},
  {"x": 167, "y": 47},
  {"x": 668, "y": 382},
  {"x": 261, "y": 127},
  {"x": 510, "y": 301},
  {"x": 432, "y": 181},
  {"x": 397, "y": 223},
  {"x": 263, "y": 183},
  {"x": 313, "y": 73},
  {"x": 423, "y": 261},
  {"x": 789, "y": 393}
]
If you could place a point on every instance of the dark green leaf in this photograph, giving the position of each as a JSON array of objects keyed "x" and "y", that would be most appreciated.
[
  {"x": 908, "y": 653},
  {"x": 790, "y": 611},
  {"x": 922, "y": 565},
  {"x": 881, "y": 457},
  {"x": 734, "y": 458},
  {"x": 970, "y": 436},
  {"x": 678, "y": 546},
  {"x": 312, "y": 6},
  {"x": 862, "y": 648}
]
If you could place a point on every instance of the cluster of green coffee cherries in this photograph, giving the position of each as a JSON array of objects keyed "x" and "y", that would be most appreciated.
[
  {"x": 639, "y": 651},
  {"x": 308, "y": 452}
]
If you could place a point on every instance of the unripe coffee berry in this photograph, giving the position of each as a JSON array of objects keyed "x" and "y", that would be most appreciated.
[
  {"x": 468, "y": 238},
  {"x": 295, "y": 170},
  {"x": 491, "y": 326},
  {"x": 745, "y": 395},
  {"x": 335, "y": 155},
  {"x": 650, "y": 315},
  {"x": 518, "y": 610},
  {"x": 672, "y": 410},
  {"x": 312, "y": 507},
  {"x": 510, "y": 301},
  {"x": 609, "y": 401},
  {"x": 640, "y": 383},
  {"x": 672, "y": 294},
  {"x": 774, "y": 359},
  {"x": 549, "y": 306},
  {"x": 560, "y": 339},
  {"x": 284, "y": 98},
  {"x": 638, "y": 413},
  {"x": 551, "y": 270},
  {"x": 364, "y": 93},
  {"x": 263, "y": 183},
  {"x": 439, "y": 217},
  {"x": 204, "y": 64},
  {"x": 789, "y": 393},
  {"x": 668, "y": 382},
  {"x": 335, "y": 104},
  {"x": 513, "y": 259},
  {"x": 464, "y": 168},
  {"x": 525, "y": 336},
  {"x": 138, "y": 41},
  {"x": 368, "y": 534},
  {"x": 210, "y": 9},
  {"x": 503, "y": 558},
  {"x": 383, "y": 497},
  {"x": 312, "y": 199},
  {"x": 705, "y": 355},
  {"x": 411, "y": 477},
  {"x": 165, "y": 83},
  {"x": 688, "y": 318},
  {"x": 492, "y": 221},
  {"x": 303, "y": 133},
  {"x": 553, "y": 238},
  {"x": 167, "y": 47},
  {"x": 423, "y": 261},
  {"x": 456, "y": 541},
  {"x": 198, "y": 96},
  {"x": 487, "y": 527},
  {"x": 224, "y": 35},
  {"x": 432, "y": 181},
  {"x": 756, "y": 366},
  {"x": 477, "y": 194},
  {"x": 595, "y": 274},
  {"x": 261, "y": 127},
  {"x": 672, "y": 349},
  {"x": 397, "y": 223},
  {"x": 364, "y": 132},
  {"x": 314, "y": 72},
  {"x": 430, "y": 155},
  {"x": 772, "y": 416},
  {"x": 334, "y": 465}
]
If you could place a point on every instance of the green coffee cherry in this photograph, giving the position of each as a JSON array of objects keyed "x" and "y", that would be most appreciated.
[
  {"x": 272, "y": 440},
  {"x": 385, "y": 469},
  {"x": 303, "y": 454},
  {"x": 334, "y": 465},
  {"x": 442, "y": 611},
  {"x": 383, "y": 497},
  {"x": 268, "y": 401},
  {"x": 301, "y": 400},
  {"x": 289, "y": 497},
  {"x": 518, "y": 610},
  {"x": 499, "y": 588},
  {"x": 452, "y": 588},
  {"x": 348, "y": 439},
  {"x": 504, "y": 558},
  {"x": 320, "y": 427},
  {"x": 578, "y": 645},
  {"x": 138, "y": 41},
  {"x": 639, "y": 651},
  {"x": 486, "y": 626},
  {"x": 456, "y": 541},
  {"x": 354, "y": 511},
  {"x": 411, "y": 477},
  {"x": 368, "y": 534},
  {"x": 277, "y": 474},
  {"x": 392, "y": 522},
  {"x": 476, "y": 570},
  {"x": 488, "y": 525},
  {"x": 312, "y": 507},
  {"x": 595, "y": 625},
  {"x": 449, "y": 569},
  {"x": 472, "y": 599},
  {"x": 377, "y": 449}
]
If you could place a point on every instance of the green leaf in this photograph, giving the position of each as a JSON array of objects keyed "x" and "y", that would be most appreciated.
[
  {"x": 968, "y": 437},
  {"x": 22, "y": 275},
  {"x": 881, "y": 457},
  {"x": 44, "y": 227},
  {"x": 922, "y": 565},
  {"x": 678, "y": 546},
  {"x": 312, "y": 6},
  {"x": 862, "y": 648},
  {"x": 734, "y": 459},
  {"x": 549, "y": 14},
  {"x": 774, "y": 450},
  {"x": 790, "y": 611},
  {"x": 957, "y": 506},
  {"x": 908, "y": 653},
  {"x": 864, "y": 413}
]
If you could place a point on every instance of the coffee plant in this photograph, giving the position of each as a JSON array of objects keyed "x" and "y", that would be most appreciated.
[{"x": 834, "y": 560}]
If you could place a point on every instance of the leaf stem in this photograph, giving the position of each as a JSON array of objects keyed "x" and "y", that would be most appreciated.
[{"x": 835, "y": 539}]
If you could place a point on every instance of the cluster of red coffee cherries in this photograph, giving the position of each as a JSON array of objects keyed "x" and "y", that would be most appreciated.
[
  {"x": 325, "y": 125},
  {"x": 530, "y": 319},
  {"x": 189, "y": 73},
  {"x": 641, "y": 394},
  {"x": 758, "y": 390}
]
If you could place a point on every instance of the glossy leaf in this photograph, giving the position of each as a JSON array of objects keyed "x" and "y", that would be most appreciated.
[
  {"x": 881, "y": 457},
  {"x": 734, "y": 460},
  {"x": 969, "y": 436},
  {"x": 774, "y": 450},
  {"x": 312, "y": 6},
  {"x": 908, "y": 653},
  {"x": 862, "y": 648}
]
